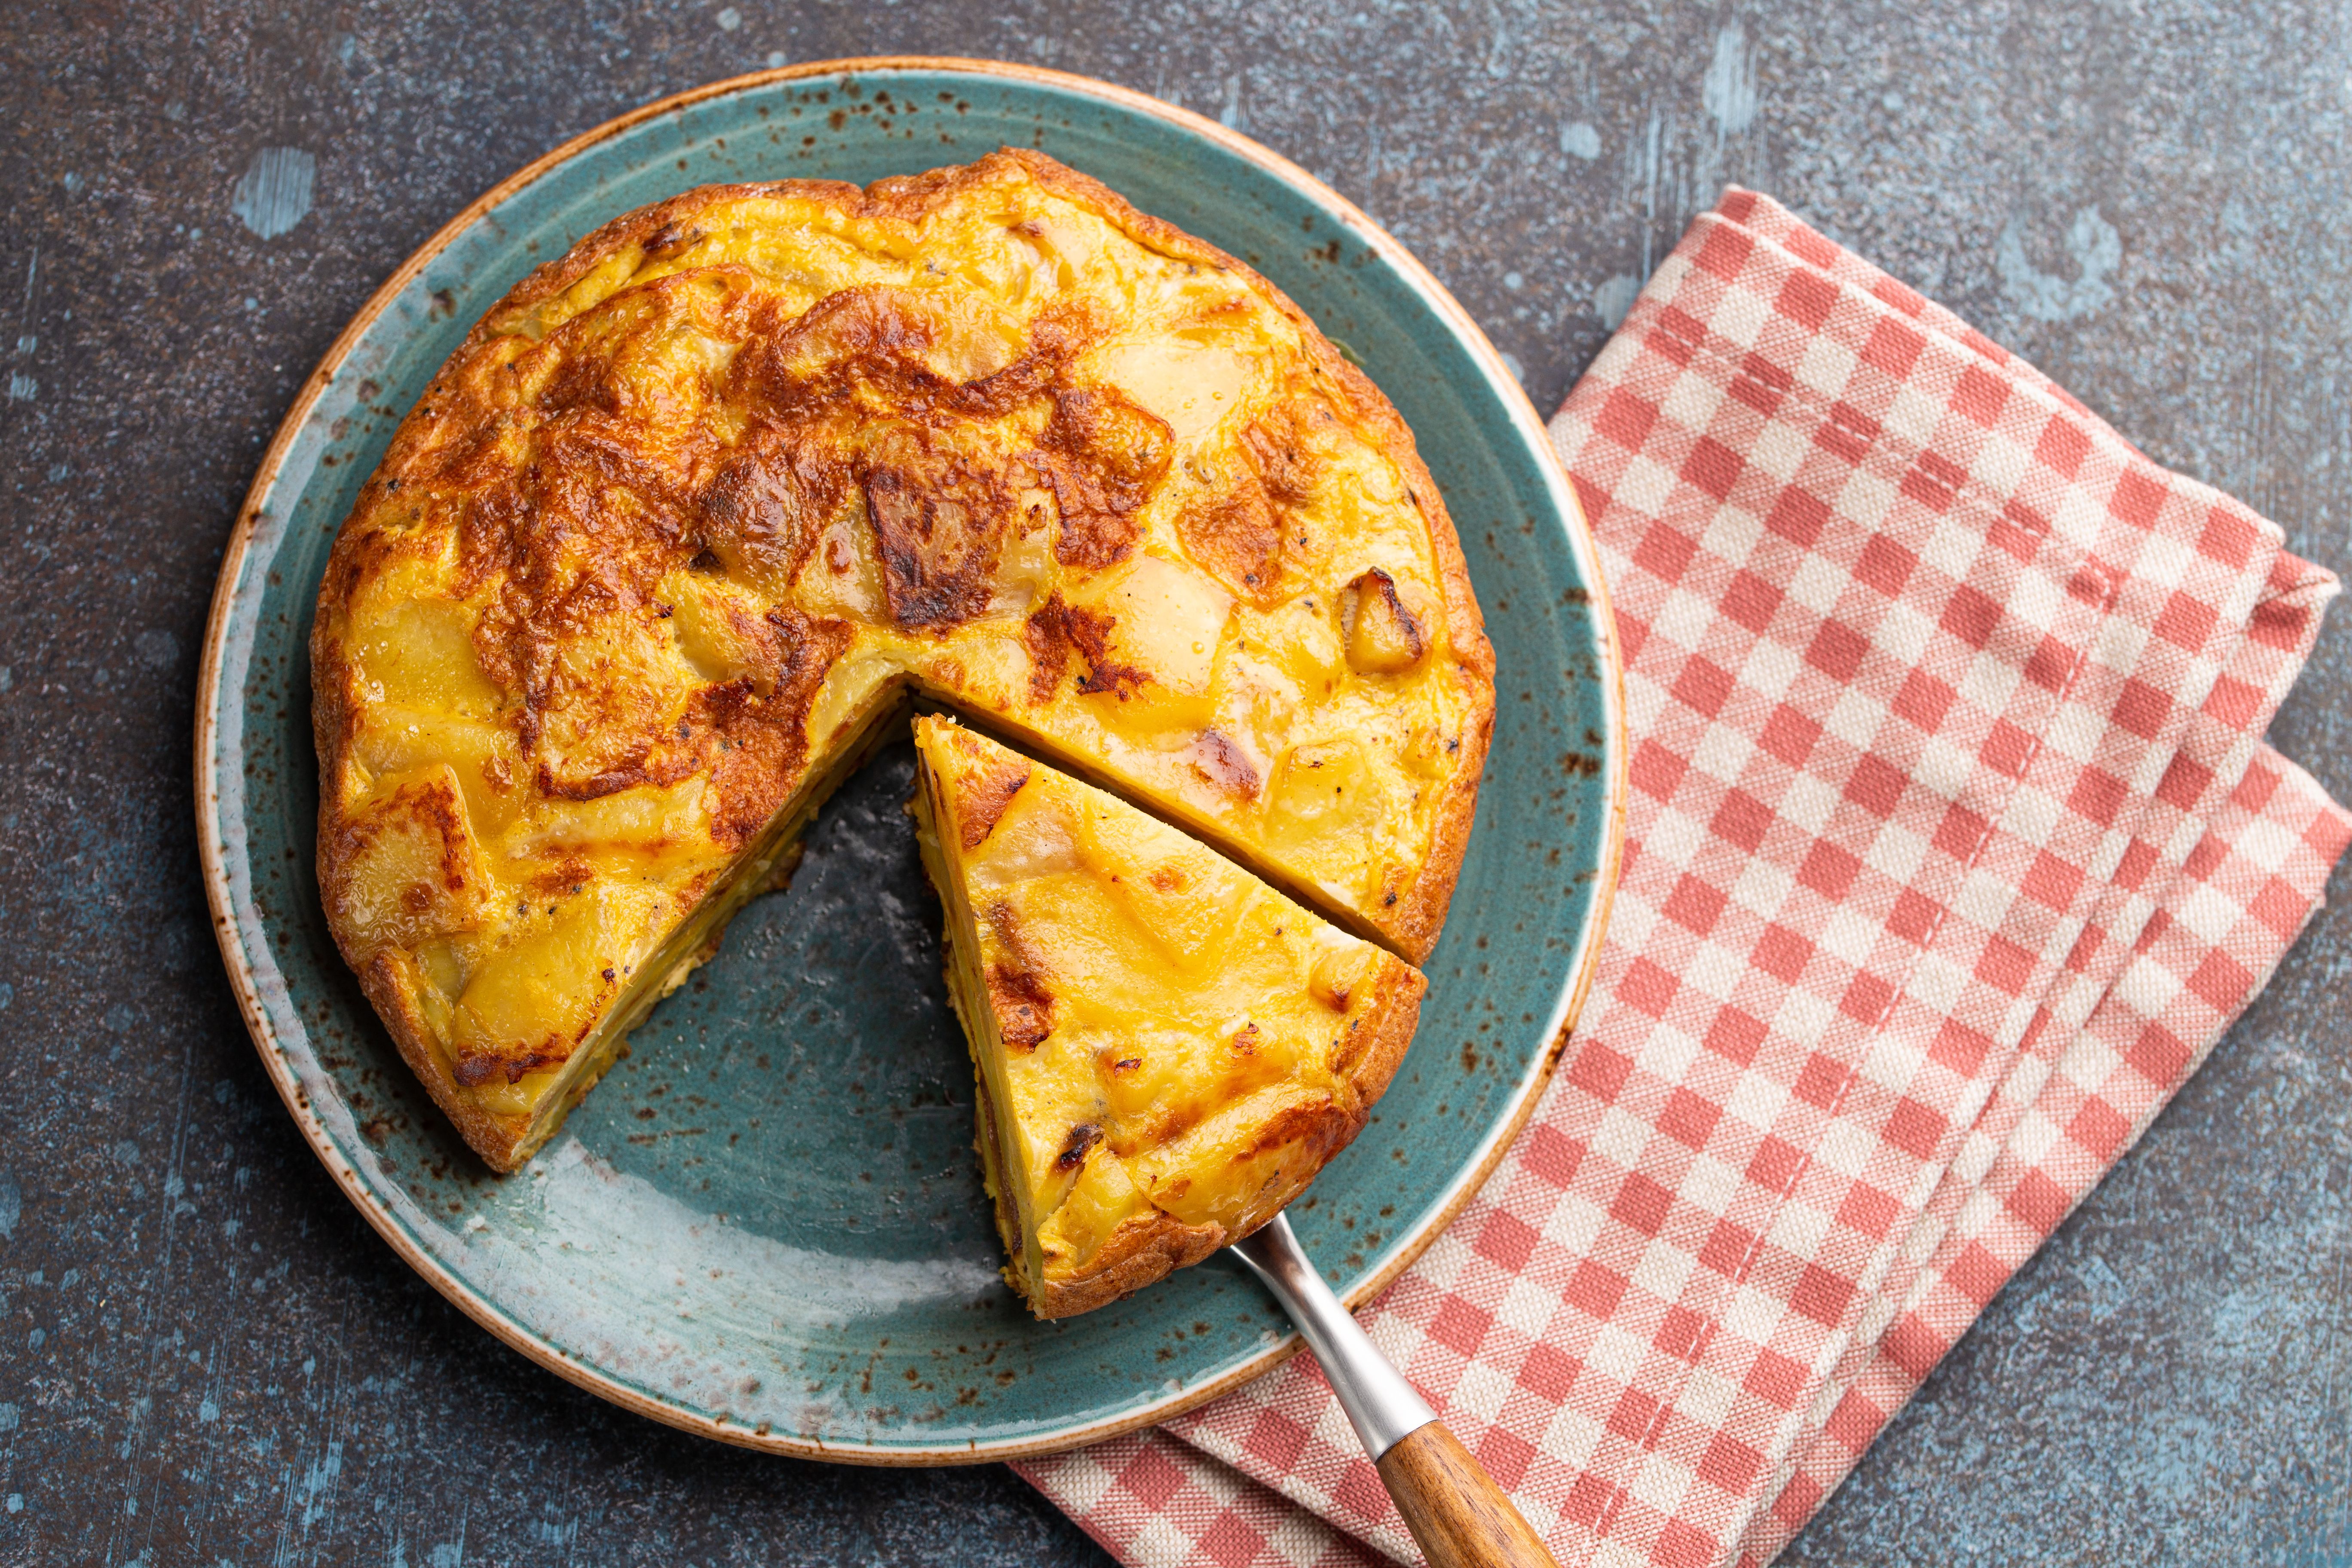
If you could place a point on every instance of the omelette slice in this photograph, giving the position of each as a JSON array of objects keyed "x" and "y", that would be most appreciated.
[
  {"x": 1168, "y": 1050},
  {"x": 694, "y": 512}
]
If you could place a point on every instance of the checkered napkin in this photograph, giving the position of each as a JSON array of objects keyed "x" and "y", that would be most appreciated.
[{"x": 1952, "y": 847}]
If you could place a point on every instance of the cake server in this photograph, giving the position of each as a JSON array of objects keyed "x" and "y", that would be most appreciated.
[{"x": 1458, "y": 1515}]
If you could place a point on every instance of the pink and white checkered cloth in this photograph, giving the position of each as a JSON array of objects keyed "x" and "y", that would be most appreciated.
[{"x": 1952, "y": 847}]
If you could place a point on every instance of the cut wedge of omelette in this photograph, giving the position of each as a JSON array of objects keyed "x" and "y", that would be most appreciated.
[
  {"x": 694, "y": 510},
  {"x": 1168, "y": 1050}
]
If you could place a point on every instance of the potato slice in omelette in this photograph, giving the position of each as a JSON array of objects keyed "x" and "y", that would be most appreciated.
[
  {"x": 692, "y": 512},
  {"x": 1168, "y": 1050}
]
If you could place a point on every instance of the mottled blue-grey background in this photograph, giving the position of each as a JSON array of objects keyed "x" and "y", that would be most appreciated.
[{"x": 205, "y": 1356}]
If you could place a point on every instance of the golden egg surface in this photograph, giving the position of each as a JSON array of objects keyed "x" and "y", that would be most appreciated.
[{"x": 694, "y": 510}]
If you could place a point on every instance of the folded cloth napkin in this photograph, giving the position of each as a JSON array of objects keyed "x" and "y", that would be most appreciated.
[{"x": 1952, "y": 847}]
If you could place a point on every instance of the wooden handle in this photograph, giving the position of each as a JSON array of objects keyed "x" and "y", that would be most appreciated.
[{"x": 1455, "y": 1509}]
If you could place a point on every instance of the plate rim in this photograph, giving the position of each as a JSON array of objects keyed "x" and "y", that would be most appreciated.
[{"x": 219, "y": 893}]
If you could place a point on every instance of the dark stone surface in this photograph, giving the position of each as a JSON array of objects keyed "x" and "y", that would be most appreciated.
[{"x": 205, "y": 1354}]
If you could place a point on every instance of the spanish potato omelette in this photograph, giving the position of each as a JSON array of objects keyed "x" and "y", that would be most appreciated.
[
  {"x": 1168, "y": 1050},
  {"x": 688, "y": 514}
]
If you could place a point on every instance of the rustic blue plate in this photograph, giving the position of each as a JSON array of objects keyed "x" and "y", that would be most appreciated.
[{"x": 768, "y": 1224}]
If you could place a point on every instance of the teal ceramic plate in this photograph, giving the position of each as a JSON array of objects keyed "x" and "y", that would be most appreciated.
[{"x": 767, "y": 1226}]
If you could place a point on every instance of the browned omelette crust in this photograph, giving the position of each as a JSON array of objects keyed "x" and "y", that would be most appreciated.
[
  {"x": 1145, "y": 1249},
  {"x": 1097, "y": 1042},
  {"x": 580, "y": 492},
  {"x": 1149, "y": 1248}
]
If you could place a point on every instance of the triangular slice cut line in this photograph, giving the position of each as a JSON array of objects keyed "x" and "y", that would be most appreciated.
[{"x": 1168, "y": 1050}]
